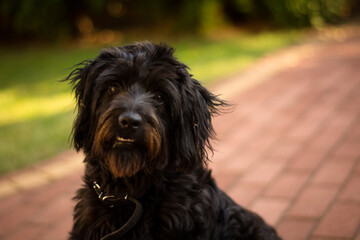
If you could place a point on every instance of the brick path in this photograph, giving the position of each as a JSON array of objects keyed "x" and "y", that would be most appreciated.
[{"x": 290, "y": 150}]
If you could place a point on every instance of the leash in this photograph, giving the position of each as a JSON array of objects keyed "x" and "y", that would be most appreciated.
[{"x": 111, "y": 201}]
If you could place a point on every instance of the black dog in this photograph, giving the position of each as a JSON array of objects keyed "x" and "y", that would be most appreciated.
[{"x": 144, "y": 125}]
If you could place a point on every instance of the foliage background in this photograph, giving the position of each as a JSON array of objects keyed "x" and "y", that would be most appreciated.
[{"x": 62, "y": 19}]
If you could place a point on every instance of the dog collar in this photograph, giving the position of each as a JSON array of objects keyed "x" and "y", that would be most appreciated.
[{"x": 111, "y": 201}]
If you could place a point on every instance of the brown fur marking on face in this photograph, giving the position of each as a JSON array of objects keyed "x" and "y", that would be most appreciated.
[
  {"x": 153, "y": 143},
  {"x": 127, "y": 166}
]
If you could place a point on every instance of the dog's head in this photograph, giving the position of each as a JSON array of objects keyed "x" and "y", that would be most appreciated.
[{"x": 139, "y": 109}]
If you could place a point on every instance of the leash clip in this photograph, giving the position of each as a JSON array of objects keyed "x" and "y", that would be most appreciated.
[
  {"x": 111, "y": 200},
  {"x": 108, "y": 199}
]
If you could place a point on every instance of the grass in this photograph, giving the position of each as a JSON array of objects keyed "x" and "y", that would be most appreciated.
[
  {"x": 36, "y": 111},
  {"x": 212, "y": 60}
]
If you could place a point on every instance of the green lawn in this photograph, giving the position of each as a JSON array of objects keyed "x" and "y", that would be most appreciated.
[{"x": 36, "y": 110}]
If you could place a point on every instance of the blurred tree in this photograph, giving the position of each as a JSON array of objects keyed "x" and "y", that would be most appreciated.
[
  {"x": 56, "y": 19},
  {"x": 199, "y": 15},
  {"x": 289, "y": 13},
  {"x": 48, "y": 20},
  {"x": 302, "y": 13}
]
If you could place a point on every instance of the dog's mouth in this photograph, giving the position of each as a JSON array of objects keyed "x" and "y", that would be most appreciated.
[
  {"x": 125, "y": 159},
  {"x": 119, "y": 141}
]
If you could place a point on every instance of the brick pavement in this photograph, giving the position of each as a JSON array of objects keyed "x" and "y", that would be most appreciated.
[{"x": 290, "y": 150}]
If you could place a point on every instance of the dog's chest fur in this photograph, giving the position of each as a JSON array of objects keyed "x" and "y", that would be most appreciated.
[{"x": 184, "y": 205}]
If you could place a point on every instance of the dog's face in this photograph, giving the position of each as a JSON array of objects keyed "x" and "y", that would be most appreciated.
[{"x": 139, "y": 110}]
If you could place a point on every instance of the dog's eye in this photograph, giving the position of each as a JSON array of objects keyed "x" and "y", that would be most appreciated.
[
  {"x": 112, "y": 90},
  {"x": 159, "y": 98}
]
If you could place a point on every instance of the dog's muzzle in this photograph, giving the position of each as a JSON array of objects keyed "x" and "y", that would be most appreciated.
[
  {"x": 130, "y": 121},
  {"x": 130, "y": 124}
]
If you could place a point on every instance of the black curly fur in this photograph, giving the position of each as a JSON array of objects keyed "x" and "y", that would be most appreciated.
[{"x": 164, "y": 166}]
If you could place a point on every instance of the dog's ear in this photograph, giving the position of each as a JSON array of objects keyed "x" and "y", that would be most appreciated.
[
  {"x": 81, "y": 80},
  {"x": 196, "y": 130}
]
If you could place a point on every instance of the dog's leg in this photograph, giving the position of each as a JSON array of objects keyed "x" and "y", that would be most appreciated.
[{"x": 240, "y": 223}]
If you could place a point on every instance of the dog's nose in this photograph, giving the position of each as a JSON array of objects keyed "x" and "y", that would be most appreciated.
[{"x": 130, "y": 120}]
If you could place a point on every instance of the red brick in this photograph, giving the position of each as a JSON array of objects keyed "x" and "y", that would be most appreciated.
[
  {"x": 289, "y": 97},
  {"x": 357, "y": 236},
  {"x": 295, "y": 229},
  {"x": 327, "y": 138},
  {"x": 355, "y": 132},
  {"x": 349, "y": 149},
  {"x": 240, "y": 135},
  {"x": 357, "y": 168},
  {"x": 283, "y": 150},
  {"x": 263, "y": 172},
  {"x": 223, "y": 151},
  {"x": 59, "y": 231},
  {"x": 237, "y": 164},
  {"x": 59, "y": 208},
  {"x": 332, "y": 173},
  {"x": 271, "y": 209},
  {"x": 287, "y": 185},
  {"x": 341, "y": 120},
  {"x": 223, "y": 156},
  {"x": 332, "y": 131},
  {"x": 17, "y": 217},
  {"x": 27, "y": 231},
  {"x": 261, "y": 143},
  {"x": 352, "y": 101},
  {"x": 307, "y": 160},
  {"x": 323, "y": 238},
  {"x": 244, "y": 193},
  {"x": 346, "y": 159},
  {"x": 341, "y": 221},
  {"x": 225, "y": 180},
  {"x": 229, "y": 119},
  {"x": 303, "y": 131},
  {"x": 281, "y": 121},
  {"x": 10, "y": 202},
  {"x": 65, "y": 187},
  {"x": 313, "y": 202},
  {"x": 351, "y": 191}
]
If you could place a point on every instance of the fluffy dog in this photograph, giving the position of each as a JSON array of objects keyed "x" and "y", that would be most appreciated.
[{"x": 145, "y": 126}]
